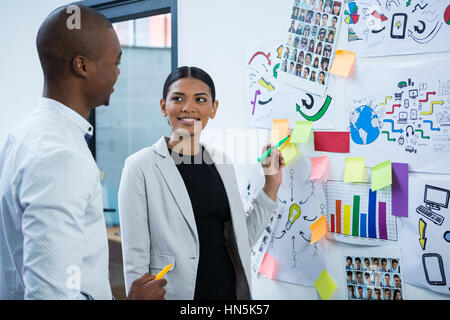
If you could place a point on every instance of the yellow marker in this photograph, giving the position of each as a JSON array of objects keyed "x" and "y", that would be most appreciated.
[{"x": 163, "y": 272}]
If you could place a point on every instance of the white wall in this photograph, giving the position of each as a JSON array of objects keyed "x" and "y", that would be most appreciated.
[
  {"x": 21, "y": 78},
  {"x": 213, "y": 35}
]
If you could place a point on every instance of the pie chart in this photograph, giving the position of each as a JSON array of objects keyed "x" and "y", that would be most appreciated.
[
  {"x": 447, "y": 15},
  {"x": 351, "y": 13}
]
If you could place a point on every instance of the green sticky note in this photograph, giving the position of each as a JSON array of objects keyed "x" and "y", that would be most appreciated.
[
  {"x": 325, "y": 285},
  {"x": 354, "y": 169},
  {"x": 289, "y": 152},
  {"x": 301, "y": 132},
  {"x": 381, "y": 175}
]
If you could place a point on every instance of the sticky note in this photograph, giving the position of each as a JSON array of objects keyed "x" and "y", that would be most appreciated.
[
  {"x": 399, "y": 191},
  {"x": 301, "y": 132},
  {"x": 325, "y": 285},
  {"x": 343, "y": 63},
  {"x": 319, "y": 166},
  {"x": 280, "y": 129},
  {"x": 332, "y": 141},
  {"x": 318, "y": 229},
  {"x": 354, "y": 169},
  {"x": 289, "y": 152},
  {"x": 381, "y": 175},
  {"x": 269, "y": 266}
]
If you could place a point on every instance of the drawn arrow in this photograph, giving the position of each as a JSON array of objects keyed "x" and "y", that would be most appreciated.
[
  {"x": 427, "y": 38},
  {"x": 293, "y": 253},
  {"x": 254, "y": 101},
  {"x": 389, "y": 139},
  {"x": 421, "y": 134},
  {"x": 385, "y": 101},
  {"x": 264, "y": 102},
  {"x": 393, "y": 106},
  {"x": 282, "y": 201},
  {"x": 319, "y": 114},
  {"x": 422, "y": 229},
  {"x": 311, "y": 102},
  {"x": 261, "y": 53},
  {"x": 426, "y": 96},
  {"x": 392, "y": 126},
  {"x": 266, "y": 84},
  {"x": 431, "y": 125},
  {"x": 377, "y": 15},
  {"x": 282, "y": 234},
  {"x": 431, "y": 107},
  {"x": 304, "y": 218},
  {"x": 302, "y": 234},
  {"x": 275, "y": 70},
  {"x": 418, "y": 5},
  {"x": 418, "y": 30},
  {"x": 379, "y": 30}
]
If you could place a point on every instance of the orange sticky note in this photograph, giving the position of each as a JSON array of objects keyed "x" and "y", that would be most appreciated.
[
  {"x": 269, "y": 266},
  {"x": 280, "y": 129},
  {"x": 318, "y": 229},
  {"x": 343, "y": 63},
  {"x": 319, "y": 166}
]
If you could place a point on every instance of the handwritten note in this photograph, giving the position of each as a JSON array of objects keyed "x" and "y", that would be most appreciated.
[
  {"x": 318, "y": 229},
  {"x": 381, "y": 175},
  {"x": 269, "y": 266},
  {"x": 325, "y": 285},
  {"x": 319, "y": 166},
  {"x": 343, "y": 63},
  {"x": 301, "y": 132},
  {"x": 280, "y": 129},
  {"x": 354, "y": 169}
]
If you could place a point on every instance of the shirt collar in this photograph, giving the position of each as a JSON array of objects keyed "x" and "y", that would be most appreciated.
[{"x": 68, "y": 113}]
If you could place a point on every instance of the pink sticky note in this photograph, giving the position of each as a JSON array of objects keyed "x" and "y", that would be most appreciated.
[
  {"x": 319, "y": 166},
  {"x": 269, "y": 266}
]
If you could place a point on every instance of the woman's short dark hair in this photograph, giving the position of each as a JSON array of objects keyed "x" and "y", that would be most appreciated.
[{"x": 189, "y": 72}]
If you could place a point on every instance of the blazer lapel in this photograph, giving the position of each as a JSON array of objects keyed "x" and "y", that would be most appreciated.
[{"x": 175, "y": 183}]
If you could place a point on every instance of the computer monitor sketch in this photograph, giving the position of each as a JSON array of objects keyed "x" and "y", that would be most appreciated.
[{"x": 436, "y": 197}]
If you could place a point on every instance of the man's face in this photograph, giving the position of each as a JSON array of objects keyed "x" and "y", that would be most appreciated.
[{"x": 105, "y": 71}]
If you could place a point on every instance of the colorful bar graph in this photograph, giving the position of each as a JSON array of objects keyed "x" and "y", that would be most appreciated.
[
  {"x": 355, "y": 222},
  {"x": 347, "y": 213},
  {"x": 363, "y": 225},
  {"x": 332, "y": 223},
  {"x": 338, "y": 216},
  {"x": 382, "y": 228},
  {"x": 372, "y": 219}
]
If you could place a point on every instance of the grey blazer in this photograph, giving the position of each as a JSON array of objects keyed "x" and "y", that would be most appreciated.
[{"x": 158, "y": 224}]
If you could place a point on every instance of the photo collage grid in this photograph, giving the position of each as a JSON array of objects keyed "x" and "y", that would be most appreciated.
[
  {"x": 373, "y": 278},
  {"x": 312, "y": 35}
]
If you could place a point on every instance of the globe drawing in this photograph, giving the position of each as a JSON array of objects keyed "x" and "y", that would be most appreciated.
[{"x": 365, "y": 126}]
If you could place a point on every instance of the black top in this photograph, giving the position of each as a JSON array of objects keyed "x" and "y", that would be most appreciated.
[{"x": 215, "y": 273}]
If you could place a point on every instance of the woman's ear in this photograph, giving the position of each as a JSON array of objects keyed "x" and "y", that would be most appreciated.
[
  {"x": 214, "y": 109},
  {"x": 162, "y": 104}
]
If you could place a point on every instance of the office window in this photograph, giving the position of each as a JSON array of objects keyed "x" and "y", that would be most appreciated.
[{"x": 133, "y": 119}]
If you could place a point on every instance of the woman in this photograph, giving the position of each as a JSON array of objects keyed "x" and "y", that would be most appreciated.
[{"x": 179, "y": 203}]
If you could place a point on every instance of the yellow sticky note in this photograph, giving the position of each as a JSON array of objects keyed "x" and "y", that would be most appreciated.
[
  {"x": 381, "y": 175},
  {"x": 354, "y": 169},
  {"x": 301, "y": 132},
  {"x": 325, "y": 285},
  {"x": 289, "y": 152},
  {"x": 318, "y": 229},
  {"x": 280, "y": 129},
  {"x": 343, "y": 63}
]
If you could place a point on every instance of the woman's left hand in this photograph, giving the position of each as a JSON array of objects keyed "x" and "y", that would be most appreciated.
[{"x": 272, "y": 167}]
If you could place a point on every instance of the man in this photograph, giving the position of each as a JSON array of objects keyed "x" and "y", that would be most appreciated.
[{"x": 53, "y": 243}]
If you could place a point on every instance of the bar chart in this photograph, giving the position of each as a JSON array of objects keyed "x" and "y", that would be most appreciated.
[{"x": 354, "y": 210}]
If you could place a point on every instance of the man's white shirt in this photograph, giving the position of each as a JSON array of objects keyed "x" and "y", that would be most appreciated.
[{"x": 53, "y": 241}]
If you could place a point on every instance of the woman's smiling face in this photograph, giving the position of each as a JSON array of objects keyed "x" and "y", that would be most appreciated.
[{"x": 188, "y": 105}]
